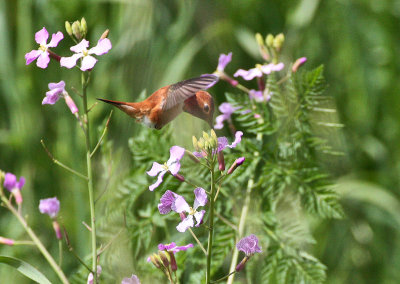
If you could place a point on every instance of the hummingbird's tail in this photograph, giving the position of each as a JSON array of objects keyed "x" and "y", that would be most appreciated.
[{"x": 128, "y": 108}]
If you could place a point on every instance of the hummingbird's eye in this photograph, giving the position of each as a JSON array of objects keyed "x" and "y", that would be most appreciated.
[{"x": 206, "y": 108}]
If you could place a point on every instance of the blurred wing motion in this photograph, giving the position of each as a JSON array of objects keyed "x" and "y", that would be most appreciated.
[{"x": 181, "y": 91}]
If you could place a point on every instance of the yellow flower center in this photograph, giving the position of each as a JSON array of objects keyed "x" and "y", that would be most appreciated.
[
  {"x": 85, "y": 52},
  {"x": 43, "y": 47}
]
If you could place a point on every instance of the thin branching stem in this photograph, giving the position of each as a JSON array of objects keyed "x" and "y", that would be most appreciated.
[
  {"x": 102, "y": 135},
  {"x": 210, "y": 222},
  {"x": 198, "y": 242},
  {"x": 57, "y": 162}
]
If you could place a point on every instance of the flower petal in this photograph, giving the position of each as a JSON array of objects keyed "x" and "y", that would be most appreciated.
[
  {"x": 256, "y": 95},
  {"x": 43, "y": 60},
  {"x": 185, "y": 224},
  {"x": 201, "y": 197},
  {"x": 50, "y": 99},
  {"x": 10, "y": 181},
  {"x": 42, "y": 36},
  {"x": 155, "y": 169},
  {"x": 49, "y": 206},
  {"x": 55, "y": 39},
  {"x": 199, "y": 217},
  {"x": 158, "y": 182},
  {"x": 219, "y": 122},
  {"x": 176, "y": 153},
  {"x": 180, "y": 205},
  {"x": 166, "y": 200},
  {"x": 248, "y": 75},
  {"x": 176, "y": 248},
  {"x": 80, "y": 47},
  {"x": 70, "y": 62},
  {"x": 131, "y": 280},
  {"x": 166, "y": 246},
  {"x": 59, "y": 85},
  {"x": 223, "y": 60},
  {"x": 227, "y": 108},
  {"x": 238, "y": 138},
  {"x": 249, "y": 245},
  {"x": 222, "y": 143},
  {"x": 102, "y": 47},
  {"x": 88, "y": 62},
  {"x": 31, "y": 56}
]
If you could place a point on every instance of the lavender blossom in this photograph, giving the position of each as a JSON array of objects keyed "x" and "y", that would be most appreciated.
[
  {"x": 49, "y": 206},
  {"x": 259, "y": 71}
]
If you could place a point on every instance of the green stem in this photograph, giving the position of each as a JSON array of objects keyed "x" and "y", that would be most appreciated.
[
  {"x": 90, "y": 178},
  {"x": 60, "y": 255},
  {"x": 198, "y": 241},
  {"x": 210, "y": 225},
  {"x": 223, "y": 278},
  {"x": 242, "y": 222},
  {"x": 36, "y": 240}
]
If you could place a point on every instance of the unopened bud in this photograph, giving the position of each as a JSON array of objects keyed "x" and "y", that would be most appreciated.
[
  {"x": 164, "y": 258},
  {"x": 269, "y": 40},
  {"x": 195, "y": 145},
  {"x": 241, "y": 265},
  {"x": 179, "y": 177},
  {"x": 191, "y": 156},
  {"x": 56, "y": 228},
  {"x": 221, "y": 161},
  {"x": 214, "y": 138},
  {"x": 298, "y": 63},
  {"x": 206, "y": 136},
  {"x": 6, "y": 241},
  {"x": 154, "y": 258},
  {"x": 259, "y": 39},
  {"x": 68, "y": 28},
  {"x": 236, "y": 164},
  {"x": 83, "y": 27},
  {"x": 278, "y": 41},
  {"x": 17, "y": 195},
  {"x": 70, "y": 103},
  {"x": 201, "y": 143},
  {"x": 174, "y": 267},
  {"x": 207, "y": 144},
  {"x": 76, "y": 30},
  {"x": 105, "y": 34}
]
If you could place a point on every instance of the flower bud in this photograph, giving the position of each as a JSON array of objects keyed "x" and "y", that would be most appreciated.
[
  {"x": 206, "y": 136},
  {"x": 221, "y": 161},
  {"x": 6, "y": 241},
  {"x": 195, "y": 143},
  {"x": 269, "y": 40},
  {"x": 179, "y": 177},
  {"x": 201, "y": 143},
  {"x": 214, "y": 138},
  {"x": 298, "y": 63},
  {"x": 259, "y": 39},
  {"x": 191, "y": 156},
  {"x": 70, "y": 103},
  {"x": 164, "y": 258},
  {"x": 105, "y": 34},
  {"x": 56, "y": 228},
  {"x": 236, "y": 164},
  {"x": 83, "y": 27},
  {"x": 17, "y": 195},
  {"x": 241, "y": 265},
  {"x": 76, "y": 30},
  {"x": 278, "y": 41},
  {"x": 154, "y": 258},
  {"x": 68, "y": 28},
  {"x": 174, "y": 267}
]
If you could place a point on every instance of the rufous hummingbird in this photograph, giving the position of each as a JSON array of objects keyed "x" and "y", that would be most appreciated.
[{"x": 168, "y": 102}]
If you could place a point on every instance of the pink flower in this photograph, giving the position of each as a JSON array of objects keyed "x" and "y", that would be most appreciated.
[
  {"x": 300, "y": 61},
  {"x": 223, "y": 60},
  {"x": 90, "y": 276},
  {"x": 249, "y": 245},
  {"x": 49, "y": 206},
  {"x": 172, "y": 165},
  {"x": 259, "y": 71},
  {"x": 222, "y": 144},
  {"x": 81, "y": 51},
  {"x": 14, "y": 186},
  {"x": 173, "y": 247},
  {"x": 258, "y": 96},
  {"x": 42, "y": 54},
  {"x": 131, "y": 280},
  {"x": 57, "y": 90},
  {"x": 226, "y": 109}
]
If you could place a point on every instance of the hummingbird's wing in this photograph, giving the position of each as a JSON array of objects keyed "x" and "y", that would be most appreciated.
[{"x": 179, "y": 92}]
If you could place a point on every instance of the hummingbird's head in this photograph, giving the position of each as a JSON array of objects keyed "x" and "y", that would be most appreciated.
[{"x": 202, "y": 106}]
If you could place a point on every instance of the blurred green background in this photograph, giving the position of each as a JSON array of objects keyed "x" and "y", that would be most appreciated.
[{"x": 160, "y": 42}]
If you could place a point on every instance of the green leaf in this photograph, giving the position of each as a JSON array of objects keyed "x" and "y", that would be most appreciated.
[{"x": 25, "y": 268}]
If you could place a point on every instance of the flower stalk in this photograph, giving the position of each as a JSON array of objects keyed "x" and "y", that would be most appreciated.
[
  {"x": 210, "y": 224},
  {"x": 85, "y": 79}
]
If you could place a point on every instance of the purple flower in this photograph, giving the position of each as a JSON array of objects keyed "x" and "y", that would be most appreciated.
[
  {"x": 226, "y": 109},
  {"x": 57, "y": 90},
  {"x": 42, "y": 53},
  {"x": 49, "y": 206},
  {"x": 172, "y": 165},
  {"x": 90, "y": 276},
  {"x": 14, "y": 186},
  {"x": 259, "y": 71},
  {"x": 88, "y": 61},
  {"x": 223, "y": 60},
  {"x": 166, "y": 202},
  {"x": 131, "y": 280},
  {"x": 173, "y": 247},
  {"x": 258, "y": 96},
  {"x": 238, "y": 162},
  {"x": 249, "y": 245},
  {"x": 180, "y": 205}
]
